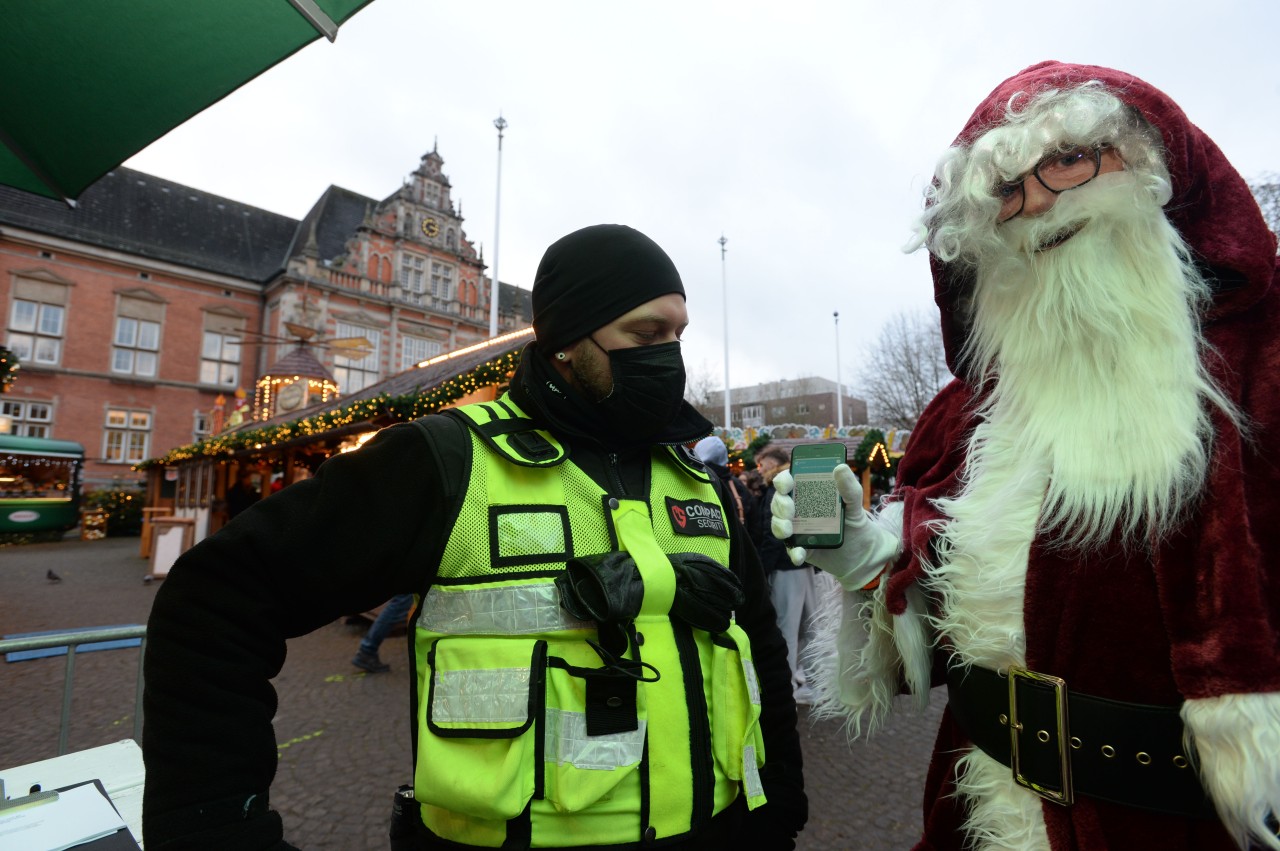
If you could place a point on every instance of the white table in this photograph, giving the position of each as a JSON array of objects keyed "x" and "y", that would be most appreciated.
[{"x": 118, "y": 766}]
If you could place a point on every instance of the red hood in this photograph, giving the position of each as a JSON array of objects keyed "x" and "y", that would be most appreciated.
[{"x": 1211, "y": 205}]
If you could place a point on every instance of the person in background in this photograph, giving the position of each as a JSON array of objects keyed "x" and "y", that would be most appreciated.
[
  {"x": 582, "y": 583},
  {"x": 754, "y": 482},
  {"x": 242, "y": 494},
  {"x": 396, "y": 611},
  {"x": 712, "y": 452},
  {"x": 791, "y": 586}
]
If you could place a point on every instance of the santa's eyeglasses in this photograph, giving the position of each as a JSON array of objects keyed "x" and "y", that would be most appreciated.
[{"x": 1058, "y": 172}]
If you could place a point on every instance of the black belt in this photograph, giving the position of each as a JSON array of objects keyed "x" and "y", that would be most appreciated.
[{"x": 1069, "y": 743}]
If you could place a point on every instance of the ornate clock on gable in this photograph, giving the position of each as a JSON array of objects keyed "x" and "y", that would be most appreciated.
[{"x": 430, "y": 227}]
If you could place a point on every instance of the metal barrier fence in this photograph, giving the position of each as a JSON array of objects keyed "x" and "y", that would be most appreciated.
[{"x": 72, "y": 640}]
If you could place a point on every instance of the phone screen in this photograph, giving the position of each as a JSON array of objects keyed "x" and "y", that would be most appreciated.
[{"x": 819, "y": 518}]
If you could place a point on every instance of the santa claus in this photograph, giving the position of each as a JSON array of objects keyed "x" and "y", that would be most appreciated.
[{"x": 1084, "y": 539}]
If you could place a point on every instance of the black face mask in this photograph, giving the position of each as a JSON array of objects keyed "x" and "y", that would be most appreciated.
[{"x": 648, "y": 389}]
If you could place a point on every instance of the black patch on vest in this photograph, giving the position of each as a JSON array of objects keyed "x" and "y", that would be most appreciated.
[{"x": 695, "y": 518}]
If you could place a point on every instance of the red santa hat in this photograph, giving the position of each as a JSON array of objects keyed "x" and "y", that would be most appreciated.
[{"x": 1212, "y": 207}]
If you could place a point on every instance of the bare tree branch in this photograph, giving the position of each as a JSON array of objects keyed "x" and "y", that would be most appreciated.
[
  {"x": 1266, "y": 189},
  {"x": 904, "y": 370},
  {"x": 699, "y": 383}
]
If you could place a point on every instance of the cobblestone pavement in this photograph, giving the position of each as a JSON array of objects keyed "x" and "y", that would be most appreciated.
[{"x": 343, "y": 735}]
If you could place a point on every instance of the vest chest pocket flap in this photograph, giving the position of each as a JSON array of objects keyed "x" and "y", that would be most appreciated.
[{"x": 477, "y": 748}]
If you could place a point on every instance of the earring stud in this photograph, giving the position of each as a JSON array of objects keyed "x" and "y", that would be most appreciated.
[{"x": 560, "y": 355}]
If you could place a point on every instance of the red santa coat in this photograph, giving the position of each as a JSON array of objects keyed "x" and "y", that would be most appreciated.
[{"x": 1199, "y": 618}]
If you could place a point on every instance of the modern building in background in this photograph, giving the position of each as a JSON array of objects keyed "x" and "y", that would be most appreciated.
[
  {"x": 799, "y": 401},
  {"x": 132, "y": 313}
]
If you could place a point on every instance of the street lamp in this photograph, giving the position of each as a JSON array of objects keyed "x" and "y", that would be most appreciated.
[
  {"x": 724, "y": 282},
  {"x": 501, "y": 124},
  {"x": 839, "y": 387}
]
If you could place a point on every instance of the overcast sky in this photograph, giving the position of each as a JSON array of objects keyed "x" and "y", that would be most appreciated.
[{"x": 802, "y": 131}]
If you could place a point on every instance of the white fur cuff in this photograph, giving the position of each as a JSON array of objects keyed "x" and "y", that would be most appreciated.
[{"x": 1236, "y": 738}]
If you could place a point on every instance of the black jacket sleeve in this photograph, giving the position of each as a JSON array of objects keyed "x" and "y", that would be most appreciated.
[
  {"x": 339, "y": 542},
  {"x": 773, "y": 552},
  {"x": 774, "y": 825}
]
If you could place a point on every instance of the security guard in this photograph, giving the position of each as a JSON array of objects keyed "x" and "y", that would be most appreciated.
[{"x": 596, "y": 659}]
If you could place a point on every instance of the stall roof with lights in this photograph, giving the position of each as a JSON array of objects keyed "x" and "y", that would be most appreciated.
[{"x": 434, "y": 384}]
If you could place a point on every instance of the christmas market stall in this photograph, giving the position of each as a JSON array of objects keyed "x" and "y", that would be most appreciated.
[{"x": 296, "y": 420}]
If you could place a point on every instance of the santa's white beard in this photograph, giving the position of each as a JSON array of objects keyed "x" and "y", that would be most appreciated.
[
  {"x": 1095, "y": 353},
  {"x": 1094, "y": 428}
]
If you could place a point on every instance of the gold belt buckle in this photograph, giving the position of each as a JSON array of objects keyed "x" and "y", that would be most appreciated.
[{"x": 1067, "y": 796}]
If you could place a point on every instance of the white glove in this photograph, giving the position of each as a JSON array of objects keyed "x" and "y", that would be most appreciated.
[{"x": 867, "y": 549}]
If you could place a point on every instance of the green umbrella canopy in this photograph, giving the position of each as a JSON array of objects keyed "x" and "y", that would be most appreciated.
[{"x": 89, "y": 83}]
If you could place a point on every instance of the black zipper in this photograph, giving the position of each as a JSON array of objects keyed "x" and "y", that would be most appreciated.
[{"x": 615, "y": 473}]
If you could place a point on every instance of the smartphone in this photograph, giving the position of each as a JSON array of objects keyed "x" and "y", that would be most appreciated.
[{"x": 819, "y": 520}]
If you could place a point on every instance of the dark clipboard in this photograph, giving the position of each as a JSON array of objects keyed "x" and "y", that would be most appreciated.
[{"x": 121, "y": 840}]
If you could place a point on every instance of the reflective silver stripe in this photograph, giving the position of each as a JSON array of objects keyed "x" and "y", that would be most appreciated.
[
  {"x": 492, "y": 695},
  {"x": 504, "y": 610},
  {"x": 567, "y": 742},
  {"x": 753, "y": 687},
  {"x": 750, "y": 773}
]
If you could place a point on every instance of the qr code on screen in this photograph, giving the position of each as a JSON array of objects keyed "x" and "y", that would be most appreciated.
[{"x": 816, "y": 498}]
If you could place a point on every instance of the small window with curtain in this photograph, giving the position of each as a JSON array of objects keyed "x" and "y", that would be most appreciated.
[
  {"x": 36, "y": 331},
  {"x": 416, "y": 350},
  {"x": 354, "y": 374},
  {"x": 135, "y": 345},
  {"x": 28, "y": 418},
  {"x": 135, "y": 348},
  {"x": 127, "y": 436}
]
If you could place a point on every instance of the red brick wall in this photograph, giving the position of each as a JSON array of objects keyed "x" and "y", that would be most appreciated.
[{"x": 82, "y": 387}]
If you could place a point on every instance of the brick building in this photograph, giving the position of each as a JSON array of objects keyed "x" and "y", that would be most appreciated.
[
  {"x": 133, "y": 312},
  {"x": 802, "y": 401}
]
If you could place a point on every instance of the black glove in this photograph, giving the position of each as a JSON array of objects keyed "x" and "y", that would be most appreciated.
[
  {"x": 604, "y": 588},
  {"x": 707, "y": 592}
]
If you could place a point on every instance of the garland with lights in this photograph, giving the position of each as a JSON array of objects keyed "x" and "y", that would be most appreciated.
[
  {"x": 402, "y": 408},
  {"x": 8, "y": 368}
]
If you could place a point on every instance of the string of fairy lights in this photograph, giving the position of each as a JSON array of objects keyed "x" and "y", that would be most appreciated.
[
  {"x": 8, "y": 368},
  {"x": 403, "y": 408}
]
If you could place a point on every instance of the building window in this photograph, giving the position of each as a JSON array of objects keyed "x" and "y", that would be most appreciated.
[
  {"x": 354, "y": 374},
  {"x": 135, "y": 346},
  {"x": 28, "y": 419},
  {"x": 779, "y": 410},
  {"x": 202, "y": 427},
  {"x": 442, "y": 281},
  {"x": 35, "y": 331},
  {"x": 416, "y": 350},
  {"x": 413, "y": 273},
  {"x": 450, "y": 239},
  {"x": 220, "y": 359},
  {"x": 127, "y": 436},
  {"x": 752, "y": 413},
  {"x": 802, "y": 408}
]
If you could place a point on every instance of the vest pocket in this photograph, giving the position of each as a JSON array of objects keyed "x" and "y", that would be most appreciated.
[
  {"x": 481, "y": 722},
  {"x": 583, "y": 766},
  {"x": 736, "y": 740}
]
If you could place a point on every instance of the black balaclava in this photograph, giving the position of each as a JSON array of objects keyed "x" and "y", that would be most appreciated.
[{"x": 585, "y": 281}]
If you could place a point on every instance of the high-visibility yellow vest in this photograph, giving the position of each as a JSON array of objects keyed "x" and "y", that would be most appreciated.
[{"x": 521, "y": 729}]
